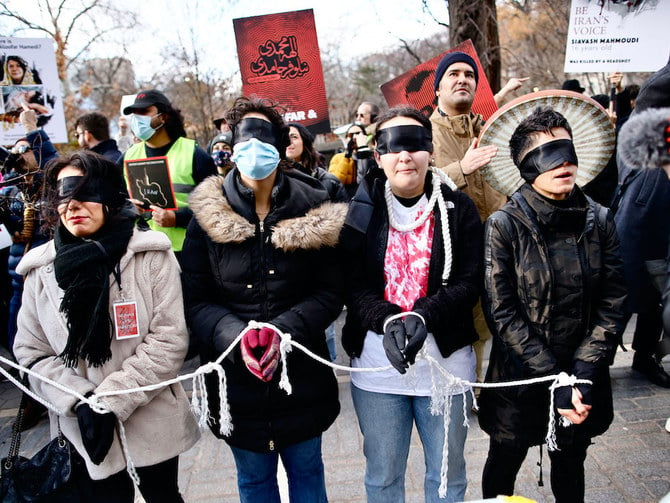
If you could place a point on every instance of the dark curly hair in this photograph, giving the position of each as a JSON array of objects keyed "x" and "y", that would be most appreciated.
[
  {"x": 94, "y": 167},
  {"x": 542, "y": 120},
  {"x": 270, "y": 109}
]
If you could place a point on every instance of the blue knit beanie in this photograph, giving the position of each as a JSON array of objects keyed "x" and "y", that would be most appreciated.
[{"x": 449, "y": 59}]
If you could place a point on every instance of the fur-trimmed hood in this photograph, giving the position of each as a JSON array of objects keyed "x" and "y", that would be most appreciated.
[{"x": 319, "y": 226}]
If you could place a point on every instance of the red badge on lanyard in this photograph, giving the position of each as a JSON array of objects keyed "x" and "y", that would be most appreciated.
[{"x": 125, "y": 320}]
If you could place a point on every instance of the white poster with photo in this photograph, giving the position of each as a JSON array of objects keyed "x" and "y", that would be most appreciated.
[
  {"x": 618, "y": 35},
  {"x": 29, "y": 80}
]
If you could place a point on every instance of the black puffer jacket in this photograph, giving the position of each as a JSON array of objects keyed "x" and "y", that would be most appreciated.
[
  {"x": 283, "y": 271},
  {"x": 447, "y": 308},
  {"x": 537, "y": 332}
]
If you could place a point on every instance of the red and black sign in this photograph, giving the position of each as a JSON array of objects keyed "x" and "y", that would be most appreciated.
[
  {"x": 415, "y": 87},
  {"x": 279, "y": 59}
]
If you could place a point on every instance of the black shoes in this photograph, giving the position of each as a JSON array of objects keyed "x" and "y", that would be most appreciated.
[{"x": 651, "y": 369}]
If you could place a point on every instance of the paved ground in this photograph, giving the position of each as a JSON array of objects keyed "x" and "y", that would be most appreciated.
[{"x": 630, "y": 463}]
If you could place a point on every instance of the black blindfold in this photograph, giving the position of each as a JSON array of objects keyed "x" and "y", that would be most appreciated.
[
  {"x": 253, "y": 127},
  {"x": 409, "y": 138},
  {"x": 93, "y": 191},
  {"x": 547, "y": 157}
]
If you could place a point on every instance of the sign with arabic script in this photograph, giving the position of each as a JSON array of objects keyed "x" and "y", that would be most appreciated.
[{"x": 280, "y": 60}]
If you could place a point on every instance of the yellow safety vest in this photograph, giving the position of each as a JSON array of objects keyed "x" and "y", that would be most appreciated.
[{"x": 180, "y": 163}]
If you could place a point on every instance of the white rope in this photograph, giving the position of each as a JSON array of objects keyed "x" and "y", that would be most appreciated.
[
  {"x": 435, "y": 197},
  {"x": 444, "y": 386}
]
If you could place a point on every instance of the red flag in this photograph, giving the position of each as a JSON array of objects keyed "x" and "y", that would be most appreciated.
[{"x": 280, "y": 60}]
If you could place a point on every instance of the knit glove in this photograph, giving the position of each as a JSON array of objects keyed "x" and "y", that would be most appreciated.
[
  {"x": 97, "y": 432},
  {"x": 416, "y": 333},
  {"x": 350, "y": 148},
  {"x": 270, "y": 340},
  {"x": 252, "y": 352},
  {"x": 394, "y": 344},
  {"x": 585, "y": 370},
  {"x": 563, "y": 397}
]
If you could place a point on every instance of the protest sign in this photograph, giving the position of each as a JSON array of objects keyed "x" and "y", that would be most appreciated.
[
  {"x": 29, "y": 80},
  {"x": 617, "y": 36},
  {"x": 279, "y": 59},
  {"x": 415, "y": 87}
]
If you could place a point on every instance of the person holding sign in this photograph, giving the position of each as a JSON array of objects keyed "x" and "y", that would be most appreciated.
[
  {"x": 261, "y": 247},
  {"x": 102, "y": 311},
  {"x": 163, "y": 162}
]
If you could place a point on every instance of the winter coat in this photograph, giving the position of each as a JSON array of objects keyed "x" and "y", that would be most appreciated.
[
  {"x": 452, "y": 136},
  {"x": 446, "y": 308},
  {"x": 533, "y": 333},
  {"x": 159, "y": 424},
  {"x": 641, "y": 206},
  {"x": 284, "y": 271},
  {"x": 108, "y": 148}
]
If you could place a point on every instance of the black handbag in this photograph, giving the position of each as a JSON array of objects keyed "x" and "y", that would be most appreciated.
[{"x": 44, "y": 478}]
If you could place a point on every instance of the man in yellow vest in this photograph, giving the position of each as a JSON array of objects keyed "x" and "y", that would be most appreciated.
[{"x": 160, "y": 127}]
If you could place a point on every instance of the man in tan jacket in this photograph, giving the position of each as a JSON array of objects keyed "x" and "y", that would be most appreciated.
[{"x": 455, "y": 132}]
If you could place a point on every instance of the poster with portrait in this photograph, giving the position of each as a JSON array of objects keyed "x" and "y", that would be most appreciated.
[
  {"x": 29, "y": 81},
  {"x": 279, "y": 59},
  {"x": 617, "y": 35},
  {"x": 149, "y": 181},
  {"x": 415, "y": 87}
]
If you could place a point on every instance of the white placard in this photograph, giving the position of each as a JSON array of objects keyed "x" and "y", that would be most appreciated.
[
  {"x": 608, "y": 36},
  {"x": 28, "y": 75}
]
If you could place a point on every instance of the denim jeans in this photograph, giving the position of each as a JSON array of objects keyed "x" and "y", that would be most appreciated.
[
  {"x": 330, "y": 341},
  {"x": 257, "y": 473},
  {"x": 386, "y": 423}
]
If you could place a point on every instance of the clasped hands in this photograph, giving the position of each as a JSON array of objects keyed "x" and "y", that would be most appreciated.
[
  {"x": 403, "y": 338},
  {"x": 260, "y": 352}
]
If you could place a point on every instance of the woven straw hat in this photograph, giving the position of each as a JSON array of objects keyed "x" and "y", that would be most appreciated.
[{"x": 593, "y": 135}]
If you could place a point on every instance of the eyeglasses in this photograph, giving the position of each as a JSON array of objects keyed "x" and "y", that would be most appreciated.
[
  {"x": 20, "y": 149},
  {"x": 361, "y": 115}
]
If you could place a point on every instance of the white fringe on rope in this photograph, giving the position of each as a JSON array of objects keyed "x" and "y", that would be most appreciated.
[{"x": 444, "y": 386}]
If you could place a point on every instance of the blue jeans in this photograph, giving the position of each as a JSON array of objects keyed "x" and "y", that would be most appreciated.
[
  {"x": 330, "y": 341},
  {"x": 386, "y": 423},
  {"x": 257, "y": 473}
]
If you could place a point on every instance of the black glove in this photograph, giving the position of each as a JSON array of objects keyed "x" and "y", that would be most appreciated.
[
  {"x": 97, "y": 432},
  {"x": 416, "y": 333},
  {"x": 394, "y": 343},
  {"x": 563, "y": 397},
  {"x": 585, "y": 370},
  {"x": 350, "y": 148}
]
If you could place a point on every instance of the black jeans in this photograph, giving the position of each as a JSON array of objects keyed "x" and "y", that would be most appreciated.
[
  {"x": 567, "y": 471},
  {"x": 158, "y": 484}
]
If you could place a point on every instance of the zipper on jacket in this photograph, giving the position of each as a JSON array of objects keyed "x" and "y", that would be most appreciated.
[{"x": 262, "y": 276}]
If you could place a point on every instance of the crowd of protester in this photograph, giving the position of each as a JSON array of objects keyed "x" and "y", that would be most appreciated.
[{"x": 402, "y": 228}]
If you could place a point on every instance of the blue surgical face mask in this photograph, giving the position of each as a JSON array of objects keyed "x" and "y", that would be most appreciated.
[
  {"x": 255, "y": 159},
  {"x": 140, "y": 125}
]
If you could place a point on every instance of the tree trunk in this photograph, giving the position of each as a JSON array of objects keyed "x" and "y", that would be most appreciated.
[{"x": 477, "y": 21}]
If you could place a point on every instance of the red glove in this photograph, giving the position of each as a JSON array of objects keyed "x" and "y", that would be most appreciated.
[
  {"x": 248, "y": 347},
  {"x": 269, "y": 339}
]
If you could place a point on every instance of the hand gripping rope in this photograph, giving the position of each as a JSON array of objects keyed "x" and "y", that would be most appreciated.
[{"x": 443, "y": 386}]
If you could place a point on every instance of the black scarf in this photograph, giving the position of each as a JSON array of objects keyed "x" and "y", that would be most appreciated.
[{"x": 82, "y": 268}]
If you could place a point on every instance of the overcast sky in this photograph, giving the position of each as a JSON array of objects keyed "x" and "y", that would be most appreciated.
[{"x": 356, "y": 26}]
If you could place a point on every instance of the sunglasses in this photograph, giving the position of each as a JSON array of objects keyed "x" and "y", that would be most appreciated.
[{"x": 20, "y": 149}]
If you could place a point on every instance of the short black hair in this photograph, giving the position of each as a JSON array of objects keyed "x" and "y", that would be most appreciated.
[
  {"x": 542, "y": 120},
  {"x": 95, "y": 123},
  {"x": 270, "y": 109}
]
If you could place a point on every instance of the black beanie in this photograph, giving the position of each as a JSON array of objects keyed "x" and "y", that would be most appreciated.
[{"x": 449, "y": 59}]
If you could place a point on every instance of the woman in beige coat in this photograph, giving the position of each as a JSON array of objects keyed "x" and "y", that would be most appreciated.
[{"x": 102, "y": 311}]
